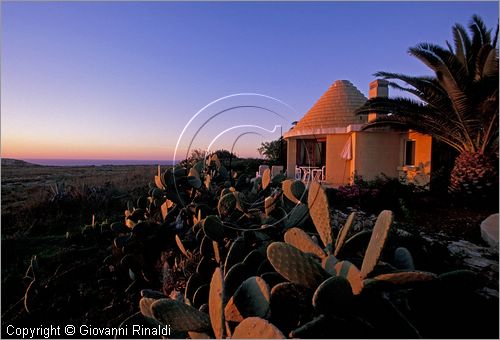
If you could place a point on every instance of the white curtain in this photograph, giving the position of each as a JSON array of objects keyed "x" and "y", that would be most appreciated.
[{"x": 347, "y": 150}]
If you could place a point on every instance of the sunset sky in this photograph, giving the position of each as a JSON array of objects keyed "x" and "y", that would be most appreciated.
[{"x": 120, "y": 80}]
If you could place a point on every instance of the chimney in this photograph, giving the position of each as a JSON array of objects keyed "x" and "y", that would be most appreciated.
[{"x": 378, "y": 88}]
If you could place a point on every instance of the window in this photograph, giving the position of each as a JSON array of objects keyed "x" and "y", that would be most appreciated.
[
  {"x": 311, "y": 152},
  {"x": 409, "y": 153}
]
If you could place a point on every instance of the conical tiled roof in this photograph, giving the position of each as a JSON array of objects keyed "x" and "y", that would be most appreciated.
[{"x": 335, "y": 109}]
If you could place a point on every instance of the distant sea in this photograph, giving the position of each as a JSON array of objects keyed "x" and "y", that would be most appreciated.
[{"x": 97, "y": 162}]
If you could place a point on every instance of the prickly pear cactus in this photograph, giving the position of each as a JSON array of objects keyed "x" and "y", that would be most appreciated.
[
  {"x": 216, "y": 305},
  {"x": 333, "y": 294},
  {"x": 250, "y": 299},
  {"x": 295, "y": 266},
  {"x": 257, "y": 328},
  {"x": 181, "y": 246},
  {"x": 403, "y": 259},
  {"x": 377, "y": 242},
  {"x": 213, "y": 228},
  {"x": 179, "y": 316},
  {"x": 200, "y": 297},
  {"x": 349, "y": 271},
  {"x": 217, "y": 254},
  {"x": 192, "y": 284},
  {"x": 193, "y": 178},
  {"x": 339, "y": 242},
  {"x": 320, "y": 212},
  {"x": 266, "y": 178},
  {"x": 235, "y": 277},
  {"x": 236, "y": 254},
  {"x": 269, "y": 205},
  {"x": 158, "y": 181},
  {"x": 293, "y": 190},
  {"x": 462, "y": 279},
  {"x": 226, "y": 205},
  {"x": 290, "y": 305},
  {"x": 297, "y": 216},
  {"x": 300, "y": 240},
  {"x": 240, "y": 201},
  {"x": 328, "y": 263},
  {"x": 145, "y": 307},
  {"x": 405, "y": 278}
]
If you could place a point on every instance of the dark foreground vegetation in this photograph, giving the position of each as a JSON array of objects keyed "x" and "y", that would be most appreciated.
[{"x": 264, "y": 258}]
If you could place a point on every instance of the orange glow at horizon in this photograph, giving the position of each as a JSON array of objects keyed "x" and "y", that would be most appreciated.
[
  {"x": 72, "y": 150},
  {"x": 37, "y": 149}
]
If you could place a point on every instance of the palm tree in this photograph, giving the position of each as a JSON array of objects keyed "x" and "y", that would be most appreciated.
[{"x": 457, "y": 106}]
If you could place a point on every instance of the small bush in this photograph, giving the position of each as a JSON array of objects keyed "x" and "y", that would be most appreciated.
[{"x": 373, "y": 196}]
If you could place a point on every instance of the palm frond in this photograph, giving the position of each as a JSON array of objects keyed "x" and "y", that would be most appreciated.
[
  {"x": 482, "y": 56},
  {"x": 490, "y": 65},
  {"x": 481, "y": 35},
  {"x": 460, "y": 104},
  {"x": 426, "y": 89},
  {"x": 462, "y": 43},
  {"x": 495, "y": 38},
  {"x": 399, "y": 106}
]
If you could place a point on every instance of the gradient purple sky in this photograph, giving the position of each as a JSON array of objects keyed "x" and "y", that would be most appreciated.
[{"x": 120, "y": 80}]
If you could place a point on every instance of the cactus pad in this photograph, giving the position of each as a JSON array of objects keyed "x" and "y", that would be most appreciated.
[
  {"x": 200, "y": 297},
  {"x": 145, "y": 307},
  {"x": 297, "y": 216},
  {"x": 328, "y": 263},
  {"x": 266, "y": 178},
  {"x": 206, "y": 267},
  {"x": 254, "y": 259},
  {"x": 213, "y": 228},
  {"x": 459, "y": 280},
  {"x": 334, "y": 294},
  {"x": 236, "y": 254},
  {"x": 290, "y": 305},
  {"x": 303, "y": 242},
  {"x": 272, "y": 278},
  {"x": 194, "y": 181},
  {"x": 179, "y": 316},
  {"x": 234, "y": 278},
  {"x": 295, "y": 266},
  {"x": 198, "y": 335},
  {"x": 269, "y": 205},
  {"x": 226, "y": 205},
  {"x": 179, "y": 243},
  {"x": 250, "y": 299},
  {"x": 319, "y": 327},
  {"x": 349, "y": 271},
  {"x": 257, "y": 328},
  {"x": 377, "y": 242},
  {"x": 240, "y": 201},
  {"x": 403, "y": 259},
  {"x": 356, "y": 244},
  {"x": 405, "y": 278},
  {"x": 216, "y": 304},
  {"x": 217, "y": 254},
  {"x": 320, "y": 213},
  {"x": 206, "y": 247},
  {"x": 294, "y": 190},
  {"x": 339, "y": 242}
]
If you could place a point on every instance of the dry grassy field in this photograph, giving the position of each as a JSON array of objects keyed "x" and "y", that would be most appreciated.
[{"x": 40, "y": 204}]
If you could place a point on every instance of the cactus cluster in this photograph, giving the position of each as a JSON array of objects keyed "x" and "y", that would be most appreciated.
[{"x": 259, "y": 259}]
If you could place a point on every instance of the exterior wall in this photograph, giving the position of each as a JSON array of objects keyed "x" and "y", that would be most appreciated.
[
  {"x": 373, "y": 153},
  {"x": 376, "y": 153},
  {"x": 419, "y": 174},
  {"x": 338, "y": 170},
  {"x": 291, "y": 157}
]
